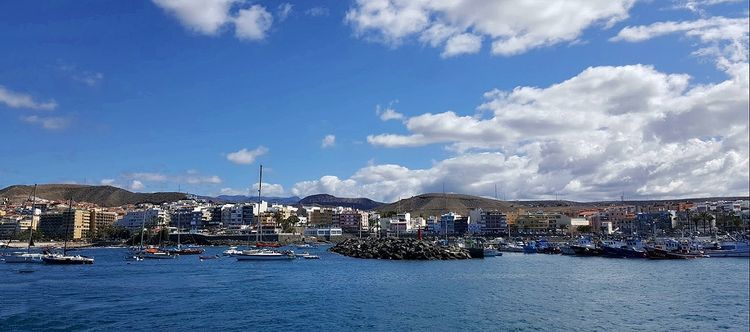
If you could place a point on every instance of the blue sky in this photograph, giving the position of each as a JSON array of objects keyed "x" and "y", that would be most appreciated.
[{"x": 150, "y": 96}]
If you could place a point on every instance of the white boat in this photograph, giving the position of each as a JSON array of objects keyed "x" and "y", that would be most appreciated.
[
  {"x": 28, "y": 256},
  {"x": 729, "y": 249},
  {"x": 63, "y": 259},
  {"x": 264, "y": 255},
  {"x": 232, "y": 251},
  {"x": 23, "y": 257},
  {"x": 490, "y": 252},
  {"x": 154, "y": 253}
]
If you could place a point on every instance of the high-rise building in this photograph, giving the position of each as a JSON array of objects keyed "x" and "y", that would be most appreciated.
[{"x": 55, "y": 224}]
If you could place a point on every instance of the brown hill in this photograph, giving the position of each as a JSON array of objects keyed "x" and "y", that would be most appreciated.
[
  {"x": 100, "y": 195},
  {"x": 435, "y": 204}
]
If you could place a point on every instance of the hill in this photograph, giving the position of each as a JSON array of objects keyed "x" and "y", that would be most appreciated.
[
  {"x": 99, "y": 195},
  {"x": 333, "y": 201},
  {"x": 244, "y": 199},
  {"x": 436, "y": 204}
]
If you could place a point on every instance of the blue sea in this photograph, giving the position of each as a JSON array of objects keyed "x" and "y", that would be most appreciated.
[{"x": 515, "y": 292}]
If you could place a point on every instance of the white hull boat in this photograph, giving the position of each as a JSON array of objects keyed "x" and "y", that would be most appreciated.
[{"x": 22, "y": 257}]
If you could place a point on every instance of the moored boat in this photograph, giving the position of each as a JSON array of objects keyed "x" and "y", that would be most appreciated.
[
  {"x": 264, "y": 255},
  {"x": 62, "y": 259},
  {"x": 24, "y": 257},
  {"x": 729, "y": 249}
]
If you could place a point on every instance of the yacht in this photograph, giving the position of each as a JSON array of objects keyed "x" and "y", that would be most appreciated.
[
  {"x": 63, "y": 259},
  {"x": 231, "y": 251},
  {"x": 24, "y": 257},
  {"x": 264, "y": 255}
]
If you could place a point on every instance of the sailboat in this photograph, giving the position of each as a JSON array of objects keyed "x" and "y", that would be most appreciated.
[
  {"x": 153, "y": 253},
  {"x": 189, "y": 250},
  {"x": 27, "y": 257},
  {"x": 64, "y": 259},
  {"x": 263, "y": 254}
]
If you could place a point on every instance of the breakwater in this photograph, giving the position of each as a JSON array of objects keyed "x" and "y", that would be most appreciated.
[{"x": 397, "y": 249}]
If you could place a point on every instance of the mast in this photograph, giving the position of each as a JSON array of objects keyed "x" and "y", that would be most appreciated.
[
  {"x": 143, "y": 226},
  {"x": 67, "y": 224},
  {"x": 260, "y": 226},
  {"x": 31, "y": 226}
]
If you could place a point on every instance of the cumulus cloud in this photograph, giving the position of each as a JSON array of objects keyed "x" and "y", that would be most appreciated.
[
  {"x": 209, "y": 17},
  {"x": 20, "y": 100},
  {"x": 252, "y": 23},
  {"x": 606, "y": 130},
  {"x": 107, "y": 182},
  {"x": 270, "y": 189},
  {"x": 47, "y": 122},
  {"x": 245, "y": 156},
  {"x": 328, "y": 141},
  {"x": 388, "y": 113},
  {"x": 136, "y": 185},
  {"x": 513, "y": 27}
]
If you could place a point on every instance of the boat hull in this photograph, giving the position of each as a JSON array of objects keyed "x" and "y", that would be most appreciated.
[
  {"x": 24, "y": 258},
  {"x": 264, "y": 257},
  {"x": 68, "y": 260},
  {"x": 623, "y": 253},
  {"x": 586, "y": 251}
]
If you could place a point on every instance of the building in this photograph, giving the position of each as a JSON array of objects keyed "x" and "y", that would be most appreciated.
[
  {"x": 134, "y": 220},
  {"x": 100, "y": 220},
  {"x": 461, "y": 225},
  {"x": 495, "y": 223},
  {"x": 353, "y": 221},
  {"x": 542, "y": 223},
  {"x": 73, "y": 225},
  {"x": 192, "y": 218},
  {"x": 320, "y": 217},
  {"x": 448, "y": 223},
  {"x": 323, "y": 231},
  {"x": 10, "y": 227}
]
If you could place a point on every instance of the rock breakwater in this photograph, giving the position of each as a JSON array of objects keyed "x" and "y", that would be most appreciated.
[{"x": 397, "y": 249}]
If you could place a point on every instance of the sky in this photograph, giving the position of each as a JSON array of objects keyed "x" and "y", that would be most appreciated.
[{"x": 386, "y": 99}]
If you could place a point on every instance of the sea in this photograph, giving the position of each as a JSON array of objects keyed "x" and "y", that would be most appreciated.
[{"x": 515, "y": 292}]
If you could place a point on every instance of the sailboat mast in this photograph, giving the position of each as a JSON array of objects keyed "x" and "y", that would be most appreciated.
[
  {"x": 31, "y": 226},
  {"x": 260, "y": 185},
  {"x": 67, "y": 225}
]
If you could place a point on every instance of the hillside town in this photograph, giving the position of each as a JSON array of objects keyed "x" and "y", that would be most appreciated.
[{"x": 86, "y": 222}]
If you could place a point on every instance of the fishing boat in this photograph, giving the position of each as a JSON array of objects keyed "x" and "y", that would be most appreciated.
[
  {"x": 530, "y": 248},
  {"x": 263, "y": 254},
  {"x": 63, "y": 258},
  {"x": 631, "y": 248},
  {"x": 28, "y": 256},
  {"x": 512, "y": 247},
  {"x": 491, "y": 252},
  {"x": 728, "y": 249},
  {"x": 584, "y": 246}
]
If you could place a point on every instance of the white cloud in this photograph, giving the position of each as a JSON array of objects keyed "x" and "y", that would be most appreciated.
[
  {"x": 464, "y": 43},
  {"x": 514, "y": 27},
  {"x": 202, "y": 16},
  {"x": 252, "y": 23},
  {"x": 233, "y": 192},
  {"x": 591, "y": 137},
  {"x": 209, "y": 17},
  {"x": 284, "y": 10},
  {"x": 136, "y": 185},
  {"x": 107, "y": 182},
  {"x": 245, "y": 156},
  {"x": 47, "y": 122},
  {"x": 388, "y": 113},
  {"x": 21, "y": 100},
  {"x": 699, "y": 5},
  {"x": 328, "y": 141},
  {"x": 147, "y": 176},
  {"x": 318, "y": 12},
  {"x": 270, "y": 189}
]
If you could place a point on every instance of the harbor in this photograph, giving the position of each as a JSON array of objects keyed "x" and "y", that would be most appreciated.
[{"x": 343, "y": 293}]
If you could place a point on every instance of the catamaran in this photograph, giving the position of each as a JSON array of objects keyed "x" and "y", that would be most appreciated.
[{"x": 263, "y": 254}]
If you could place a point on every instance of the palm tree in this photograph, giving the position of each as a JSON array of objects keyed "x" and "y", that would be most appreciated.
[{"x": 703, "y": 217}]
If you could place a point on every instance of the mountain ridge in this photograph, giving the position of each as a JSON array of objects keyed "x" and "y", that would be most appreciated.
[{"x": 105, "y": 196}]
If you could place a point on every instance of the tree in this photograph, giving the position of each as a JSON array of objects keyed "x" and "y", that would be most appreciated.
[
  {"x": 287, "y": 225},
  {"x": 584, "y": 229},
  {"x": 703, "y": 217}
]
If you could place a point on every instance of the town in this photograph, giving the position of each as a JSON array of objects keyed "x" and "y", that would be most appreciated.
[{"x": 88, "y": 223}]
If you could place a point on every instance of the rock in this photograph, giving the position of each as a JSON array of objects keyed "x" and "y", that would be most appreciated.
[{"x": 396, "y": 249}]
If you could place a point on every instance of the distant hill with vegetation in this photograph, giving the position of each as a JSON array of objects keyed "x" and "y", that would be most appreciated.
[
  {"x": 434, "y": 204},
  {"x": 333, "y": 201},
  {"x": 100, "y": 195}
]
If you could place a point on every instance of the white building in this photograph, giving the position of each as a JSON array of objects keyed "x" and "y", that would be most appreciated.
[{"x": 134, "y": 220}]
